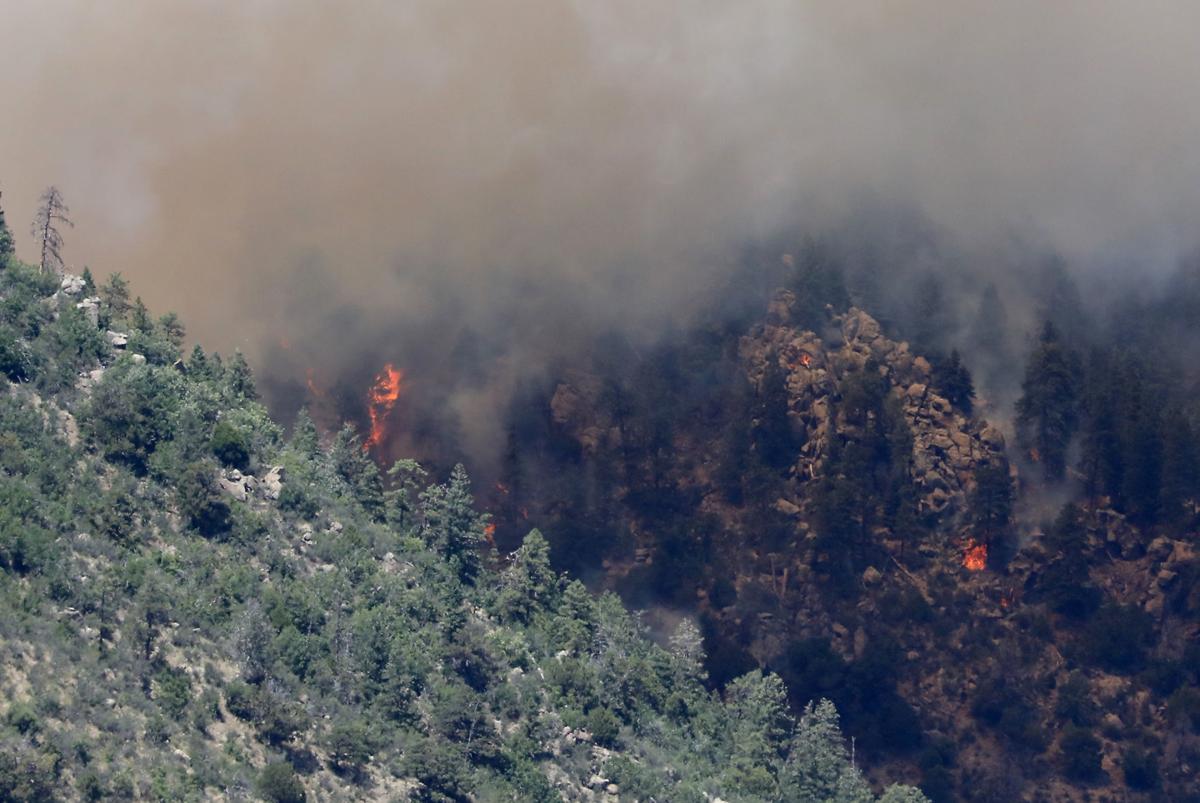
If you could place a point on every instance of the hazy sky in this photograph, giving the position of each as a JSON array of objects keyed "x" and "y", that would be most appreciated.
[{"x": 269, "y": 166}]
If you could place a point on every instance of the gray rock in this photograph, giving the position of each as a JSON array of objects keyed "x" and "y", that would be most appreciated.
[
  {"x": 90, "y": 307},
  {"x": 117, "y": 340},
  {"x": 272, "y": 483},
  {"x": 71, "y": 285}
]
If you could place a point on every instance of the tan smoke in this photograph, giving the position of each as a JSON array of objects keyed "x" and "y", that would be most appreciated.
[{"x": 276, "y": 167}]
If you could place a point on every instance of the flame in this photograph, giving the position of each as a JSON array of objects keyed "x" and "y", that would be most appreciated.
[
  {"x": 489, "y": 533},
  {"x": 381, "y": 398},
  {"x": 1035, "y": 455},
  {"x": 974, "y": 556},
  {"x": 502, "y": 488},
  {"x": 313, "y": 388},
  {"x": 805, "y": 359}
]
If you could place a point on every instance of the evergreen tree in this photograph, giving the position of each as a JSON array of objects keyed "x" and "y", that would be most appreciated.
[
  {"x": 528, "y": 584},
  {"x": 7, "y": 248},
  {"x": 992, "y": 502},
  {"x": 933, "y": 322},
  {"x": 1047, "y": 412},
  {"x": 774, "y": 438},
  {"x": 305, "y": 439},
  {"x": 953, "y": 379},
  {"x": 1180, "y": 469},
  {"x": 989, "y": 328},
  {"x": 1065, "y": 584},
  {"x": 352, "y": 463},
  {"x": 819, "y": 766},
  {"x": 239, "y": 378},
  {"x": 759, "y": 728},
  {"x": 452, "y": 527},
  {"x": 1103, "y": 463},
  {"x": 114, "y": 295},
  {"x": 1141, "y": 448}
]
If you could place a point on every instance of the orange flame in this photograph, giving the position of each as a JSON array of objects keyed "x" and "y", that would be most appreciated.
[
  {"x": 805, "y": 359},
  {"x": 489, "y": 533},
  {"x": 381, "y": 398},
  {"x": 974, "y": 556},
  {"x": 313, "y": 388}
]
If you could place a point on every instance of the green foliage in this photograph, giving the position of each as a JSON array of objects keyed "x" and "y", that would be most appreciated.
[
  {"x": 1117, "y": 638},
  {"x": 278, "y": 783},
  {"x": 1047, "y": 412},
  {"x": 953, "y": 379},
  {"x": 1080, "y": 754},
  {"x": 131, "y": 412},
  {"x": 231, "y": 446}
]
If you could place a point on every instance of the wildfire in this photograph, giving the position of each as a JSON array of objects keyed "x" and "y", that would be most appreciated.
[
  {"x": 489, "y": 533},
  {"x": 313, "y": 388},
  {"x": 974, "y": 556},
  {"x": 381, "y": 398},
  {"x": 805, "y": 359}
]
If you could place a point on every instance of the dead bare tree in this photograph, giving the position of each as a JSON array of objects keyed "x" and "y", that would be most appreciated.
[{"x": 52, "y": 211}]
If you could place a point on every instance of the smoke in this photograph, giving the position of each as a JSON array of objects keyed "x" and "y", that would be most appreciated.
[{"x": 333, "y": 185}]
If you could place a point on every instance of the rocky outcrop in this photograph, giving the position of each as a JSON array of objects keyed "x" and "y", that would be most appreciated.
[{"x": 948, "y": 446}]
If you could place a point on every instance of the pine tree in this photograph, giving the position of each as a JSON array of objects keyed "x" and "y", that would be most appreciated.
[
  {"x": 774, "y": 438},
  {"x": 954, "y": 381},
  {"x": 1047, "y": 412},
  {"x": 992, "y": 501},
  {"x": 7, "y": 247},
  {"x": 52, "y": 213},
  {"x": 452, "y": 527},
  {"x": 305, "y": 438},
  {"x": 933, "y": 322},
  {"x": 358, "y": 470},
  {"x": 1180, "y": 469},
  {"x": 239, "y": 378},
  {"x": 1102, "y": 463},
  {"x": 819, "y": 766}
]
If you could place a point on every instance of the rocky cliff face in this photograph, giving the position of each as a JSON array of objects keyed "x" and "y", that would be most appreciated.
[
  {"x": 948, "y": 446},
  {"x": 959, "y": 640}
]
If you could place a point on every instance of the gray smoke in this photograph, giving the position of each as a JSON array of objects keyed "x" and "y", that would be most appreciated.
[{"x": 369, "y": 181}]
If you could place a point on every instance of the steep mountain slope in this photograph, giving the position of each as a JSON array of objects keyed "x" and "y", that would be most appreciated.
[
  {"x": 193, "y": 608},
  {"x": 830, "y": 514}
]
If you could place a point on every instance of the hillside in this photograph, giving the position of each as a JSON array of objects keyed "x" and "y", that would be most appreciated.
[
  {"x": 834, "y": 506},
  {"x": 194, "y": 607}
]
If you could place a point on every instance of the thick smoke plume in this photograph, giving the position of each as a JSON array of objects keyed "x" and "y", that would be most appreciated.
[{"x": 330, "y": 186}]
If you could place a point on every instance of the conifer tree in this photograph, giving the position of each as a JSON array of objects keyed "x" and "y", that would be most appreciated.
[
  {"x": 6, "y": 239},
  {"x": 954, "y": 380},
  {"x": 992, "y": 501},
  {"x": 774, "y": 439},
  {"x": 52, "y": 213},
  {"x": 1047, "y": 412},
  {"x": 452, "y": 527}
]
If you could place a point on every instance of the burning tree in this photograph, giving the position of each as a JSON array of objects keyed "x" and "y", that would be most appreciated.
[
  {"x": 52, "y": 211},
  {"x": 991, "y": 512}
]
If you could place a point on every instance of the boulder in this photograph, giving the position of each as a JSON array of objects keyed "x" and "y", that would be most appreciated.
[
  {"x": 272, "y": 482},
  {"x": 71, "y": 285},
  {"x": 118, "y": 340},
  {"x": 90, "y": 307}
]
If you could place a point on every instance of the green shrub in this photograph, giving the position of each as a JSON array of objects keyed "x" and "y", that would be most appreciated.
[
  {"x": 278, "y": 783},
  {"x": 603, "y": 726},
  {"x": 1080, "y": 754},
  {"x": 231, "y": 446},
  {"x": 1117, "y": 637},
  {"x": 1140, "y": 768}
]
